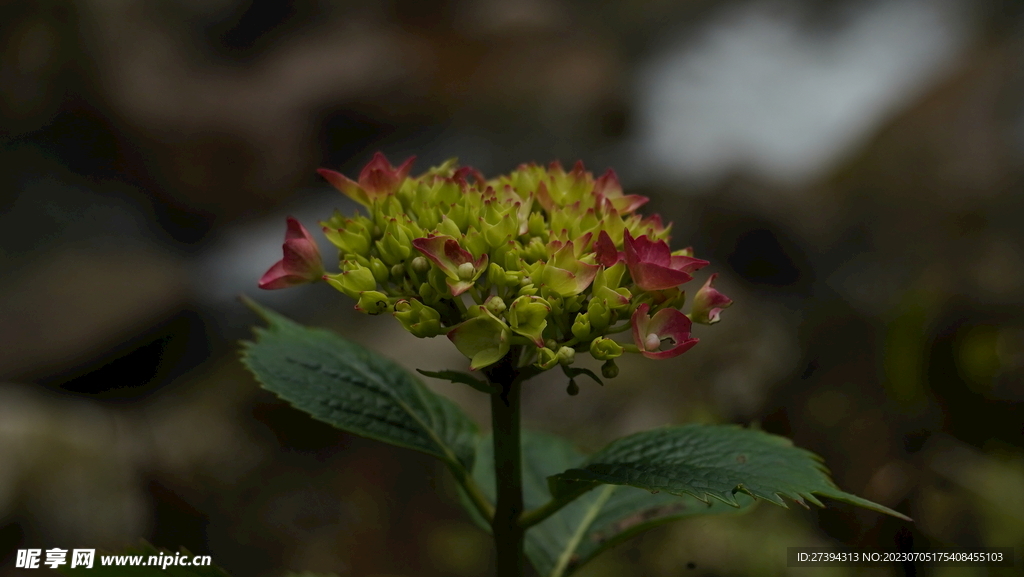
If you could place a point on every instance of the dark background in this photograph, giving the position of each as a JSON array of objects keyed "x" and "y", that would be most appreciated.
[{"x": 853, "y": 170}]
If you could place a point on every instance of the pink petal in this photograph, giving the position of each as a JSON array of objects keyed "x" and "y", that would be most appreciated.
[
  {"x": 278, "y": 278},
  {"x": 708, "y": 303},
  {"x": 668, "y": 323},
  {"x": 640, "y": 322},
  {"x": 687, "y": 263},
  {"x": 608, "y": 185},
  {"x": 347, "y": 186},
  {"x": 644, "y": 250},
  {"x": 606, "y": 252},
  {"x": 674, "y": 351},
  {"x": 379, "y": 163},
  {"x": 439, "y": 250},
  {"x": 652, "y": 277},
  {"x": 403, "y": 169},
  {"x": 628, "y": 203},
  {"x": 301, "y": 262},
  {"x": 544, "y": 198}
]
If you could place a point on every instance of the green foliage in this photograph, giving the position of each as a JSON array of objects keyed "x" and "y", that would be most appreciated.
[
  {"x": 145, "y": 550},
  {"x": 591, "y": 524},
  {"x": 357, "y": 390},
  {"x": 709, "y": 461},
  {"x": 460, "y": 377},
  {"x": 646, "y": 479}
]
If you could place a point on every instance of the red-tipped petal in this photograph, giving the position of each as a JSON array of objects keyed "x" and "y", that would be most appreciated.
[
  {"x": 628, "y": 203},
  {"x": 708, "y": 303},
  {"x": 665, "y": 324},
  {"x": 403, "y": 169},
  {"x": 652, "y": 277},
  {"x": 608, "y": 185},
  {"x": 640, "y": 321},
  {"x": 687, "y": 263},
  {"x": 277, "y": 278},
  {"x": 301, "y": 262},
  {"x": 346, "y": 185},
  {"x": 605, "y": 250}
]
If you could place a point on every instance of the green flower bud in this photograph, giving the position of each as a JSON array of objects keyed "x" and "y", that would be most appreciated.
[
  {"x": 353, "y": 282},
  {"x": 417, "y": 318},
  {"x": 496, "y": 274},
  {"x": 475, "y": 243},
  {"x": 372, "y": 302},
  {"x": 536, "y": 225},
  {"x": 398, "y": 271},
  {"x": 546, "y": 358},
  {"x": 581, "y": 326},
  {"x": 605, "y": 349},
  {"x": 428, "y": 293},
  {"x": 449, "y": 228},
  {"x": 528, "y": 290},
  {"x": 438, "y": 281},
  {"x": 609, "y": 369},
  {"x": 495, "y": 305},
  {"x": 466, "y": 271},
  {"x": 355, "y": 264},
  {"x": 379, "y": 269},
  {"x": 420, "y": 264},
  {"x": 350, "y": 236},
  {"x": 395, "y": 246},
  {"x": 500, "y": 223},
  {"x": 535, "y": 250},
  {"x": 600, "y": 316},
  {"x": 566, "y": 355},
  {"x": 527, "y": 315}
]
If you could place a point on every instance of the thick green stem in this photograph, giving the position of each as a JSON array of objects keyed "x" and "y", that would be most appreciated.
[{"x": 508, "y": 466}]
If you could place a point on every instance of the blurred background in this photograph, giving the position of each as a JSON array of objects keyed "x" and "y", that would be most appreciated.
[{"x": 854, "y": 170}]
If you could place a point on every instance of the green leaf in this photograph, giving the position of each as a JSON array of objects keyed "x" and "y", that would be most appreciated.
[
  {"x": 593, "y": 523},
  {"x": 459, "y": 377},
  {"x": 357, "y": 390},
  {"x": 134, "y": 562},
  {"x": 719, "y": 461}
]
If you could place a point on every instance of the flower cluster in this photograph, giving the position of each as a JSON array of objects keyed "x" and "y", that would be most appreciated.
[{"x": 551, "y": 260}]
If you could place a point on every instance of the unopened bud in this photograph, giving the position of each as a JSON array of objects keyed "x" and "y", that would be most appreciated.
[
  {"x": 398, "y": 271},
  {"x": 581, "y": 326},
  {"x": 605, "y": 349},
  {"x": 652, "y": 342},
  {"x": 609, "y": 370},
  {"x": 566, "y": 355},
  {"x": 495, "y": 305},
  {"x": 546, "y": 358},
  {"x": 420, "y": 264},
  {"x": 573, "y": 389},
  {"x": 379, "y": 269},
  {"x": 466, "y": 271},
  {"x": 495, "y": 274},
  {"x": 372, "y": 302}
]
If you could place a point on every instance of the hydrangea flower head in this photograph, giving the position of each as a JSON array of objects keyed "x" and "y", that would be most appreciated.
[{"x": 551, "y": 260}]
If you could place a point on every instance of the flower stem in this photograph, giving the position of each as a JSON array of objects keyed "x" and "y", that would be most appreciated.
[{"x": 505, "y": 417}]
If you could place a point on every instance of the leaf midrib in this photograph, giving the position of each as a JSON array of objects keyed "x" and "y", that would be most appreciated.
[{"x": 360, "y": 367}]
